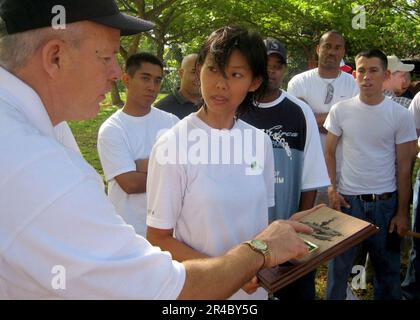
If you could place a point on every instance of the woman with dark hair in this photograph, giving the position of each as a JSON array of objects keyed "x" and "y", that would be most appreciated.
[{"x": 205, "y": 197}]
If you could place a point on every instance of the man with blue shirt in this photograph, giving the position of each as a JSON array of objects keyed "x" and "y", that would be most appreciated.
[{"x": 299, "y": 161}]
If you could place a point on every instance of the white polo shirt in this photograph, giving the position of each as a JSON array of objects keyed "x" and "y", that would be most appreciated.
[{"x": 59, "y": 235}]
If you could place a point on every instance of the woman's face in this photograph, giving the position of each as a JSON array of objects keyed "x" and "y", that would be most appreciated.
[{"x": 223, "y": 93}]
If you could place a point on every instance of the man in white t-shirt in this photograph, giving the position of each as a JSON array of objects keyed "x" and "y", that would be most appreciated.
[
  {"x": 411, "y": 284},
  {"x": 125, "y": 139},
  {"x": 326, "y": 85},
  {"x": 60, "y": 236},
  {"x": 378, "y": 137}
]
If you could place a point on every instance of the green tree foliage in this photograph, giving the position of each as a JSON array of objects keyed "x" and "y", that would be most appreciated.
[{"x": 182, "y": 25}]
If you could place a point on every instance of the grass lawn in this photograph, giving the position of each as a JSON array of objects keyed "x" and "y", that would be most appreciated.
[{"x": 86, "y": 134}]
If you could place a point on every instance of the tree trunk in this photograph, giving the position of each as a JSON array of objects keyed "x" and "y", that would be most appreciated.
[
  {"x": 115, "y": 95},
  {"x": 311, "y": 57},
  {"x": 160, "y": 49}
]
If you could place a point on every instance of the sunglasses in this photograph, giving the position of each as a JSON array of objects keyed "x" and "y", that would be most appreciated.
[{"x": 330, "y": 94}]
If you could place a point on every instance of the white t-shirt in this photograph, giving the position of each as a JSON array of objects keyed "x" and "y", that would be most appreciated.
[
  {"x": 415, "y": 109},
  {"x": 212, "y": 206},
  {"x": 310, "y": 87},
  {"x": 415, "y": 112},
  {"x": 57, "y": 227},
  {"x": 369, "y": 135},
  {"x": 122, "y": 140}
]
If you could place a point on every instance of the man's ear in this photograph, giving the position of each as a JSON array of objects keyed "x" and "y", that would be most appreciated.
[
  {"x": 53, "y": 56},
  {"x": 317, "y": 49},
  {"x": 126, "y": 80},
  {"x": 387, "y": 74},
  {"x": 255, "y": 84}
]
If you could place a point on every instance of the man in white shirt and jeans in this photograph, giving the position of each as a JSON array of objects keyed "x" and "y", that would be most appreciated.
[
  {"x": 324, "y": 86},
  {"x": 411, "y": 283},
  {"x": 54, "y": 213},
  {"x": 126, "y": 138},
  {"x": 378, "y": 137}
]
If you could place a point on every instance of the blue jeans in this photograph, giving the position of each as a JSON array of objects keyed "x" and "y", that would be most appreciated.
[
  {"x": 383, "y": 249},
  {"x": 411, "y": 284}
]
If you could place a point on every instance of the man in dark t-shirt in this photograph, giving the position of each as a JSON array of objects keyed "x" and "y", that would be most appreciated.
[{"x": 185, "y": 99}]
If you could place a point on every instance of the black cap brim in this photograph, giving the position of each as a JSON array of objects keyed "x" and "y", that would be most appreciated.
[{"x": 128, "y": 25}]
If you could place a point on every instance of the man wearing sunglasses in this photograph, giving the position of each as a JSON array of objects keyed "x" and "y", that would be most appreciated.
[{"x": 326, "y": 85}]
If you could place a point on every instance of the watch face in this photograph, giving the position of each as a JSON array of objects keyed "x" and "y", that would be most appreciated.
[{"x": 260, "y": 245}]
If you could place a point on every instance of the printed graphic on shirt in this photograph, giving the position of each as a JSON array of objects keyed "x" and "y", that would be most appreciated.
[
  {"x": 285, "y": 124},
  {"x": 280, "y": 138}
]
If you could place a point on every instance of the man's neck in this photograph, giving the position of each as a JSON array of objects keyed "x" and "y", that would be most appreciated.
[
  {"x": 270, "y": 96},
  {"x": 372, "y": 100},
  {"x": 136, "y": 110},
  {"x": 195, "y": 99},
  {"x": 328, "y": 73}
]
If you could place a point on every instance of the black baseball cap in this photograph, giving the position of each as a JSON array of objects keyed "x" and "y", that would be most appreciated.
[
  {"x": 275, "y": 46},
  {"x": 23, "y": 15}
]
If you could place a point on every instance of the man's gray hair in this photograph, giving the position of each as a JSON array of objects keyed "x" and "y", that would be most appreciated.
[{"x": 16, "y": 49}]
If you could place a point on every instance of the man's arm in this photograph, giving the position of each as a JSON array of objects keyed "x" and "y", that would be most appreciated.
[
  {"x": 220, "y": 277},
  {"x": 181, "y": 252},
  {"x": 134, "y": 181},
  {"x": 164, "y": 239},
  {"x": 405, "y": 158},
  {"x": 320, "y": 120},
  {"x": 335, "y": 199},
  {"x": 307, "y": 200}
]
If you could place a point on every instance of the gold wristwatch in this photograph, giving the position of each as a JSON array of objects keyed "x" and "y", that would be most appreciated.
[{"x": 261, "y": 247}]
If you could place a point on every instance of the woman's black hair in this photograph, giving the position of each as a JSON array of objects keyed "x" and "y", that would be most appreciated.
[{"x": 222, "y": 42}]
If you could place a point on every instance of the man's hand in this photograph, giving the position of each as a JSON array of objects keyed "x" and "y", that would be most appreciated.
[
  {"x": 282, "y": 238},
  {"x": 336, "y": 200},
  {"x": 141, "y": 165},
  {"x": 251, "y": 286},
  {"x": 400, "y": 224},
  {"x": 302, "y": 214}
]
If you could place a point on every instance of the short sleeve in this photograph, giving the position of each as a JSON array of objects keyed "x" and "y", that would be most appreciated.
[
  {"x": 166, "y": 184},
  {"x": 114, "y": 152},
  {"x": 415, "y": 110},
  {"x": 406, "y": 130},
  {"x": 294, "y": 87},
  {"x": 332, "y": 123}
]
